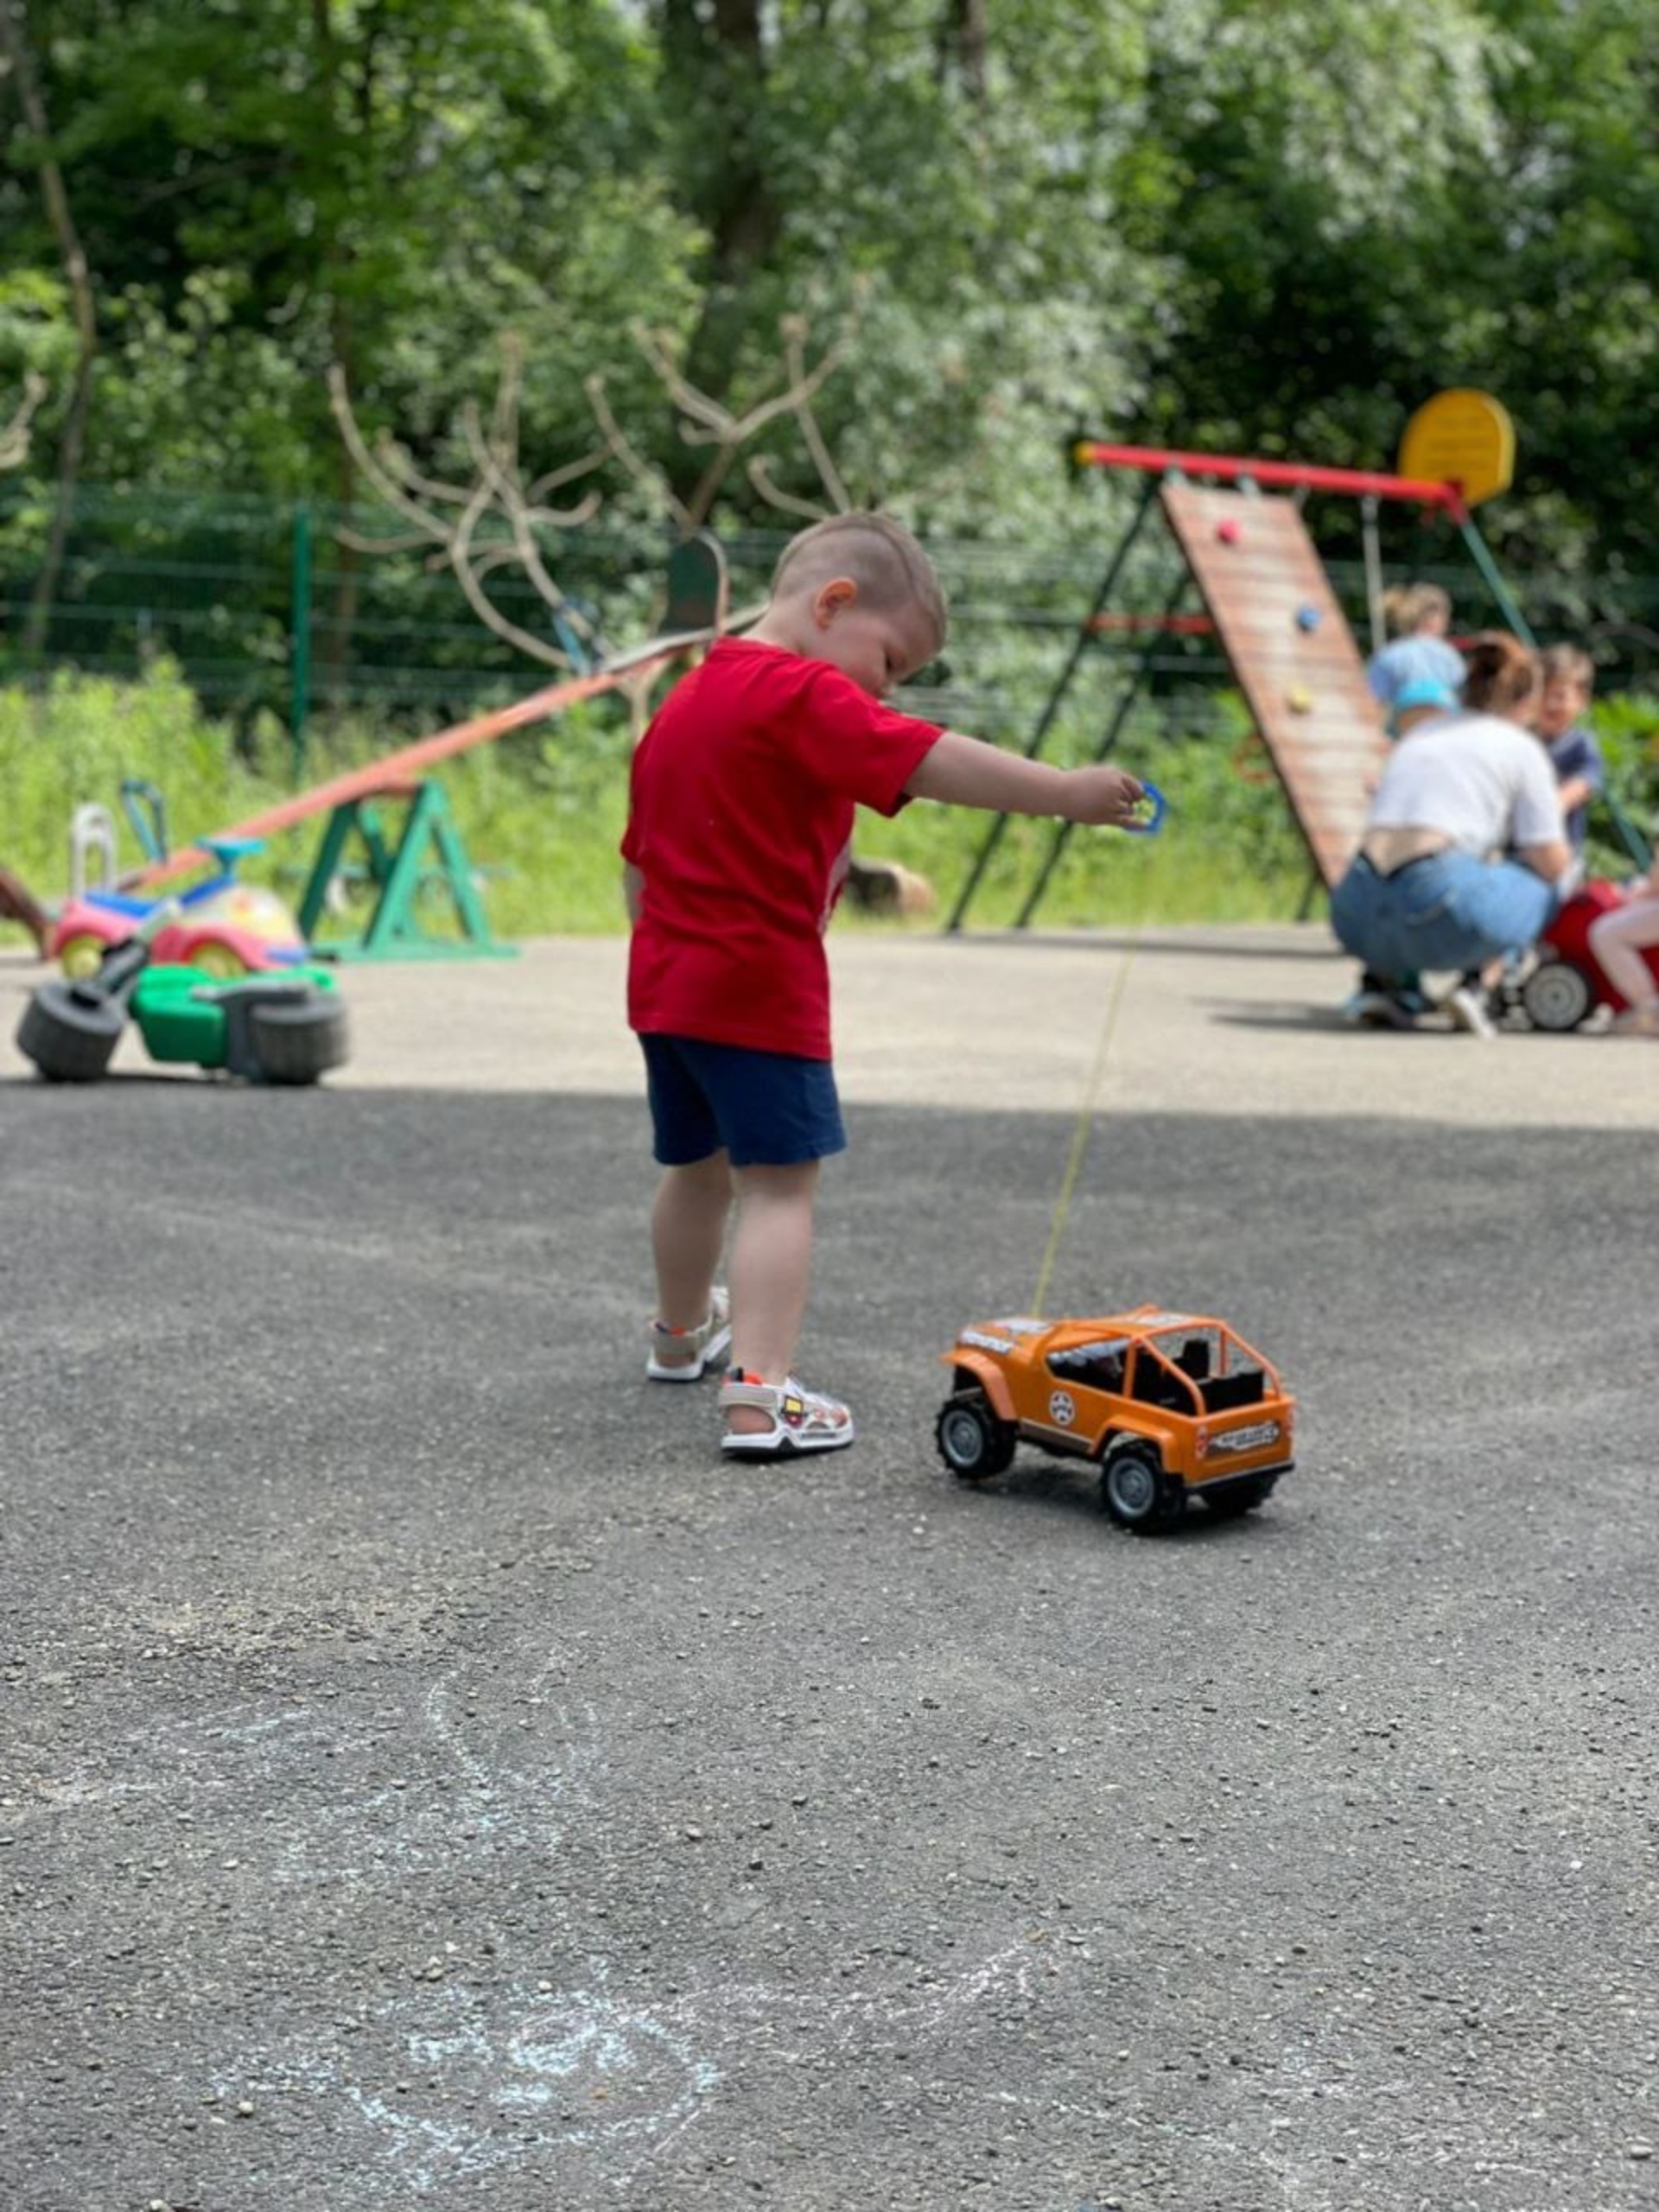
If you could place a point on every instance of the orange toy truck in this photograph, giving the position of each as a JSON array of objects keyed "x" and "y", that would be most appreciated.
[{"x": 1171, "y": 1406}]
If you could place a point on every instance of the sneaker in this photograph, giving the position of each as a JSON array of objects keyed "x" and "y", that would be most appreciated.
[
  {"x": 687, "y": 1355},
  {"x": 801, "y": 1420},
  {"x": 1636, "y": 1020},
  {"x": 1468, "y": 1009},
  {"x": 1377, "y": 1009}
]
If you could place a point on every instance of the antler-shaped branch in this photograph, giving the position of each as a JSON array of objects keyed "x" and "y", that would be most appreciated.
[
  {"x": 449, "y": 518},
  {"x": 758, "y": 471},
  {"x": 631, "y": 458},
  {"x": 492, "y": 521},
  {"x": 706, "y": 422},
  {"x": 15, "y": 436}
]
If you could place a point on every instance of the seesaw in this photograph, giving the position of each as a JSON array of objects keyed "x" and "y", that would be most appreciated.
[{"x": 695, "y": 613}]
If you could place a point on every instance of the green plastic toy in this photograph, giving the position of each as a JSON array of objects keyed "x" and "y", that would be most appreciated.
[
  {"x": 280, "y": 1028},
  {"x": 287, "y": 1027}
]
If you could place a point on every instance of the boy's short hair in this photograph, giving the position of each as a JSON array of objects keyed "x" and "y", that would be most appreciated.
[
  {"x": 1566, "y": 664},
  {"x": 881, "y": 557}
]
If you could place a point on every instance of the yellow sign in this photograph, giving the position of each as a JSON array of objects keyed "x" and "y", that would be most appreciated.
[{"x": 1465, "y": 438}]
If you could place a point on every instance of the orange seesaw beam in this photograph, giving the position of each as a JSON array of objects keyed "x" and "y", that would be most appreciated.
[{"x": 359, "y": 782}]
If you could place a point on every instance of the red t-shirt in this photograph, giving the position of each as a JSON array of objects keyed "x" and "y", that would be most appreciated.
[{"x": 740, "y": 822}]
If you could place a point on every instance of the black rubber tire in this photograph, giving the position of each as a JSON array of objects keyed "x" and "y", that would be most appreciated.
[
  {"x": 973, "y": 1443},
  {"x": 1138, "y": 1494},
  {"x": 1557, "y": 996},
  {"x": 1238, "y": 1499},
  {"x": 69, "y": 1033},
  {"x": 297, "y": 1041}
]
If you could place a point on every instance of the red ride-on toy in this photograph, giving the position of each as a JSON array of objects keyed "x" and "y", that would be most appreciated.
[
  {"x": 221, "y": 927},
  {"x": 1568, "y": 983}
]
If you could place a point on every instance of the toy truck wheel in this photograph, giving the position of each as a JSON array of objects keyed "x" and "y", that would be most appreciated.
[
  {"x": 972, "y": 1441},
  {"x": 297, "y": 1042},
  {"x": 215, "y": 958},
  {"x": 1557, "y": 996},
  {"x": 79, "y": 957},
  {"x": 1238, "y": 1498},
  {"x": 1136, "y": 1492},
  {"x": 69, "y": 1034}
]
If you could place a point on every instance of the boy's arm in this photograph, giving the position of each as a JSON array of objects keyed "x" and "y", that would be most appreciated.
[{"x": 968, "y": 771}]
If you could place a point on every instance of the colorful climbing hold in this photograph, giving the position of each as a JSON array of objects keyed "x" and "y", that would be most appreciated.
[
  {"x": 1229, "y": 532},
  {"x": 1307, "y": 618},
  {"x": 1299, "y": 698}
]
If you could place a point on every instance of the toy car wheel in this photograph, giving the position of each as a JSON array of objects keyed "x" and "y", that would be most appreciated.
[
  {"x": 1557, "y": 995},
  {"x": 222, "y": 962},
  {"x": 296, "y": 1041},
  {"x": 79, "y": 955},
  {"x": 1136, "y": 1492},
  {"x": 70, "y": 1033},
  {"x": 1238, "y": 1498},
  {"x": 972, "y": 1441}
]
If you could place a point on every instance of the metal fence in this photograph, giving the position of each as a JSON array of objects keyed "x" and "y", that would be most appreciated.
[{"x": 269, "y": 611}]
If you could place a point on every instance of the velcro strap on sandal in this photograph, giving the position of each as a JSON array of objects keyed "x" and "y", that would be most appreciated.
[{"x": 764, "y": 1397}]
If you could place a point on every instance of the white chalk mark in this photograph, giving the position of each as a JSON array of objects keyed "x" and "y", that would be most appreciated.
[{"x": 528, "y": 2075}]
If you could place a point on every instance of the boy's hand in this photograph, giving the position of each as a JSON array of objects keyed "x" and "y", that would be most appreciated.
[{"x": 1101, "y": 798}]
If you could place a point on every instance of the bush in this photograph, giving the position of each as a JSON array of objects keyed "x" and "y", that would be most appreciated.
[{"x": 542, "y": 810}]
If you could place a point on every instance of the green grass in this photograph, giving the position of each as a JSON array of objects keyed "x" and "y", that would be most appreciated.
[{"x": 541, "y": 811}]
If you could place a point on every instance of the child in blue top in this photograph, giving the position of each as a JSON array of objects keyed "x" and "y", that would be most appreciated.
[{"x": 1419, "y": 615}]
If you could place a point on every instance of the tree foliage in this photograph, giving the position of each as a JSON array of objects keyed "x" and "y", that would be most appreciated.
[{"x": 1229, "y": 223}]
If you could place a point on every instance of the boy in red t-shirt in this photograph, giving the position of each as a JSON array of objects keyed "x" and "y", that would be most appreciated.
[{"x": 739, "y": 828}]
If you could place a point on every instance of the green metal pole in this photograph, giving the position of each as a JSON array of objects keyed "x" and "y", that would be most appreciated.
[
  {"x": 1038, "y": 737},
  {"x": 300, "y": 638},
  {"x": 1494, "y": 581},
  {"x": 1060, "y": 835}
]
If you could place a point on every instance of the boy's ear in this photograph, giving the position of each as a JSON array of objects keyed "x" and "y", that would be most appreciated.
[{"x": 833, "y": 598}]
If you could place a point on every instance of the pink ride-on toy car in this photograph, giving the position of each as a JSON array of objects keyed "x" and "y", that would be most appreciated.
[
  {"x": 1568, "y": 983},
  {"x": 224, "y": 928}
]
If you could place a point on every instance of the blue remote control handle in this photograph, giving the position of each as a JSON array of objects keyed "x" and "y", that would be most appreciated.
[{"x": 1160, "y": 808}]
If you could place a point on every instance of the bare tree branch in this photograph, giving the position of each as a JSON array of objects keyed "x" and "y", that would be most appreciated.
[
  {"x": 378, "y": 470},
  {"x": 496, "y": 493},
  {"x": 760, "y": 474},
  {"x": 794, "y": 362},
  {"x": 495, "y": 520},
  {"x": 495, "y": 465},
  {"x": 705, "y": 421},
  {"x": 637, "y": 466}
]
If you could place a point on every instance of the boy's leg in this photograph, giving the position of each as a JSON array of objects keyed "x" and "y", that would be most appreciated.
[
  {"x": 771, "y": 1268},
  {"x": 688, "y": 1226}
]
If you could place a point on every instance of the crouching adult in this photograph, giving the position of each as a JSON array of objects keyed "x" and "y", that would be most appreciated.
[{"x": 1464, "y": 855}]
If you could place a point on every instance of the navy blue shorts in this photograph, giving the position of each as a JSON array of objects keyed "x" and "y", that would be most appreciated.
[{"x": 767, "y": 1109}]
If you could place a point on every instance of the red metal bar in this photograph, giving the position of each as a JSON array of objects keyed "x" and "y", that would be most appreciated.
[
  {"x": 358, "y": 783},
  {"x": 1090, "y": 453},
  {"x": 1172, "y": 626}
]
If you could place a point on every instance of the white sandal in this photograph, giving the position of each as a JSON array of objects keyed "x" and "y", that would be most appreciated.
[
  {"x": 801, "y": 1420},
  {"x": 700, "y": 1348}
]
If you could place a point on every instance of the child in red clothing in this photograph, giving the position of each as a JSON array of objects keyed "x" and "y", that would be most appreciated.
[{"x": 740, "y": 827}]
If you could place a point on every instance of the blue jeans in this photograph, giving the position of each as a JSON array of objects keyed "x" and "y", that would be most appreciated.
[{"x": 1448, "y": 911}]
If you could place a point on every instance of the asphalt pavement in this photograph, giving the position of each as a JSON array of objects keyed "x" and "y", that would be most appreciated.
[{"x": 430, "y": 1778}]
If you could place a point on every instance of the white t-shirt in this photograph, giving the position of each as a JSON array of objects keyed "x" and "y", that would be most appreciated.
[{"x": 1484, "y": 783}]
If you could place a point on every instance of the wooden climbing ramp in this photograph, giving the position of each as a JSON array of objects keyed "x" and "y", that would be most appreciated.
[{"x": 1293, "y": 654}]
